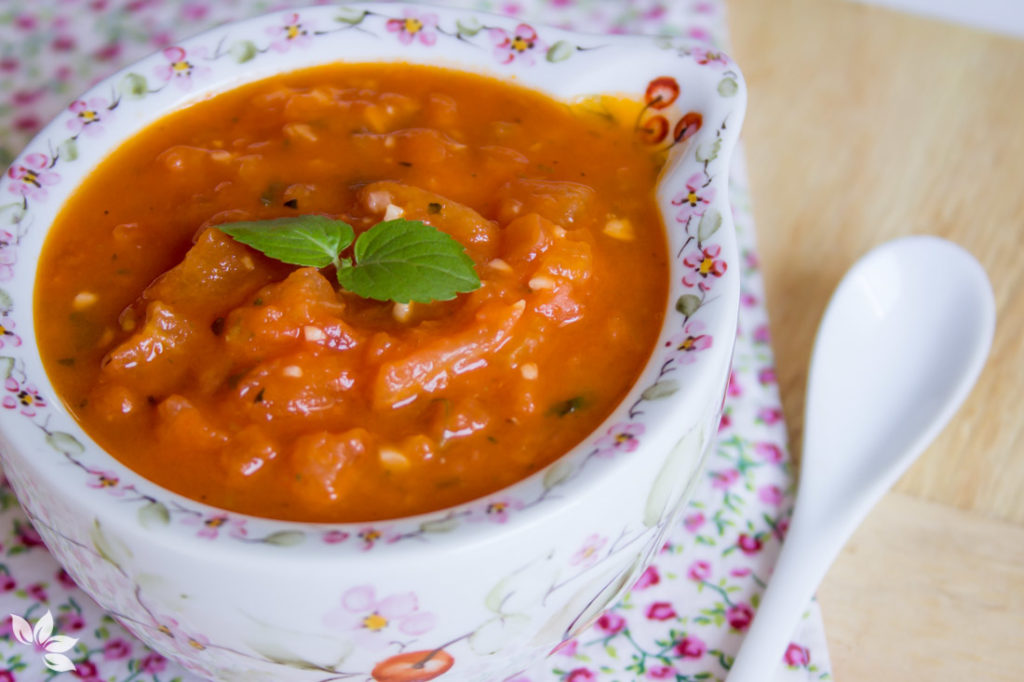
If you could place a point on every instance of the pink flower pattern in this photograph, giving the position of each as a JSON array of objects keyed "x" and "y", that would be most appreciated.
[
  {"x": 106, "y": 480},
  {"x": 588, "y": 554},
  {"x": 710, "y": 56},
  {"x": 686, "y": 344},
  {"x": 294, "y": 33},
  {"x": 694, "y": 200},
  {"x": 211, "y": 526},
  {"x": 611, "y": 623},
  {"x": 724, "y": 479},
  {"x": 414, "y": 25},
  {"x": 691, "y": 646},
  {"x": 739, "y": 616},
  {"x": 661, "y": 672},
  {"x": 620, "y": 438},
  {"x": 693, "y": 522},
  {"x": 180, "y": 68},
  {"x": 797, "y": 656},
  {"x": 699, "y": 570},
  {"x": 334, "y": 536},
  {"x": 649, "y": 578},
  {"x": 32, "y": 177},
  {"x": 771, "y": 494},
  {"x": 705, "y": 267},
  {"x": 495, "y": 510},
  {"x": 116, "y": 649},
  {"x": 369, "y": 536},
  {"x": 749, "y": 544},
  {"x": 89, "y": 117},
  {"x": 22, "y": 397},
  {"x": 153, "y": 663},
  {"x": 770, "y": 452},
  {"x": 660, "y": 610},
  {"x": 377, "y": 622},
  {"x": 7, "y": 335},
  {"x": 581, "y": 675},
  {"x": 519, "y": 45}
]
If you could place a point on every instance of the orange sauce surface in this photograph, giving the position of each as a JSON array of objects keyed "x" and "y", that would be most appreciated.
[{"x": 263, "y": 388}]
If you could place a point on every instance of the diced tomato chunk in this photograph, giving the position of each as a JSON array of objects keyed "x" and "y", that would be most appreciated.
[
  {"x": 153, "y": 359},
  {"x": 115, "y": 403},
  {"x": 465, "y": 225},
  {"x": 319, "y": 463},
  {"x": 562, "y": 202},
  {"x": 459, "y": 421},
  {"x": 436, "y": 365},
  {"x": 302, "y": 311},
  {"x": 247, "y": 454},
  {"x": 216, "y": 274},
  {"x": 296, "y": 389},
  {"x": 526, "y": 238},
  {"x": 184, "y": 426},
  {"x": 569, "y": 260}
]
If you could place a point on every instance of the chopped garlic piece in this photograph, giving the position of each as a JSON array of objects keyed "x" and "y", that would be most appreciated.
[
  {"x": 402, "y": 312},
  {"x": 127, "y": 320},
  {"x": 519, "y": 305},
  {"x": 377, "y": 119},
  {"x": 247, "y": 262},
  {"x": 313, "y": 333},
  {"x": 293, "y": 371},
  {"x": 106, "y": 338},
  {"x": 559, "y": 232},
  {"x": 393, "y": 460},
  {"x": 529, "y": 371},
  {"x": 376, "y": 201},
  {"x": 541, "y": 282},
  {"x": 392, "y": 212},
  {"x": 84, "y": 299},
  {"x": 300, "y": 130},
  {"x": 500, "y": 265},
  {"x": 620, "y": 228}
]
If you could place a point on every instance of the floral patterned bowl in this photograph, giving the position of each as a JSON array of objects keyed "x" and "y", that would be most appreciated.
[{"x": 476, "y": 592}]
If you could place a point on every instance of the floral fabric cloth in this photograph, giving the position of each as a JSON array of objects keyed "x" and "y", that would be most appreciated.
[{"x": 685, "y": 617}]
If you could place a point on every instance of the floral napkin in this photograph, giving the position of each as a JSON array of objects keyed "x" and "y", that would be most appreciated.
[{"x": 685, "y": 617}]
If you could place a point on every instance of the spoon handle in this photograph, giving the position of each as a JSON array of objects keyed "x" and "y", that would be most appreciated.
[
  {"x": 881, "y": 386},
  {"x": 806, "y": 555}
]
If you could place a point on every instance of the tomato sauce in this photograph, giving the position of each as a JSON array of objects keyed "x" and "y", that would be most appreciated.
[{"x": 264, "y": 388}]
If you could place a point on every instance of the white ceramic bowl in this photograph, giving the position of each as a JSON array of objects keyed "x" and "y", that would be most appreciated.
[{"x": 476, "y": 592}]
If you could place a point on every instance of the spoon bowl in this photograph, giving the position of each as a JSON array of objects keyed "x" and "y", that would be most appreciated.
[{"x": 901, "y": 343}]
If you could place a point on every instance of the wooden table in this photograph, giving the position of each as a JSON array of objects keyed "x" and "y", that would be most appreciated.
[{"x": 863, "y": 125}]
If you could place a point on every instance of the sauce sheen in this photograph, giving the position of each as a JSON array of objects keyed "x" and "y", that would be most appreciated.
[{"x": 263, "y": 388}]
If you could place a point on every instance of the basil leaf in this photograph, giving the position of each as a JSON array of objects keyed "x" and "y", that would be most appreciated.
[
  {"x": 407, "y": 260},
  {"x": 398, "y": 260},
  {"x": 303, "y": 240}
]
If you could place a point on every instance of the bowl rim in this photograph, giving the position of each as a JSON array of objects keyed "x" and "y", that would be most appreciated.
[{"x": 717, "y": 316}]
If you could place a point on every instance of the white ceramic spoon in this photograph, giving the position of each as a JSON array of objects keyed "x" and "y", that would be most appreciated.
[{"x": 899, "y": 347}]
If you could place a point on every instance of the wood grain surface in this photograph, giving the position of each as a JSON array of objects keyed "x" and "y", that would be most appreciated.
[{"x": 863, "y": 125}]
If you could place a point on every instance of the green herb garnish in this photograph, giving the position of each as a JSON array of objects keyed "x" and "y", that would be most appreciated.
[
  {"x": 567, "y": 407},
  {"x": 396, "y": 260}
]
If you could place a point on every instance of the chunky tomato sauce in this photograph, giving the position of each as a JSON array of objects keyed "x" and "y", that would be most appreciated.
[{"x": 261, "y": 387}]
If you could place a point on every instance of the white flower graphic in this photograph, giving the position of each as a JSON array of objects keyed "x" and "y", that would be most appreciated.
[{"x": 55, "y": 646}]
